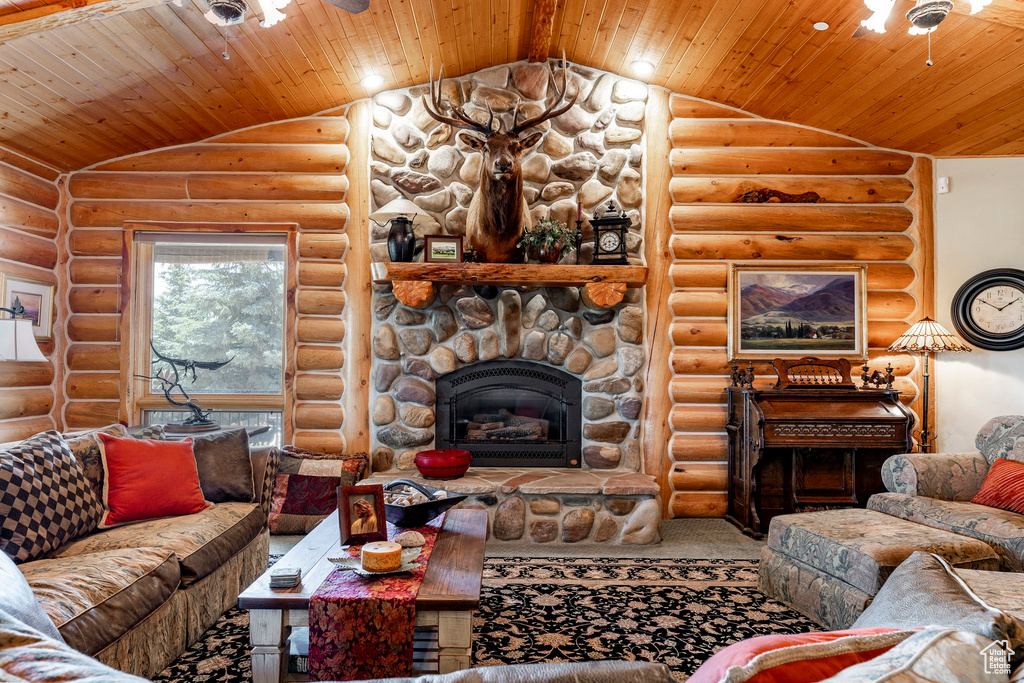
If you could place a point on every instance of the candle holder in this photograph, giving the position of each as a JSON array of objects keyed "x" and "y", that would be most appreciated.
[{"x": 579, "y": 238}]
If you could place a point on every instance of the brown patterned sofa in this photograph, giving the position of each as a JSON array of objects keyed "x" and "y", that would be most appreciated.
[
  {"x": 135, "y": 597},
  {"x": 829, "y": 565}
]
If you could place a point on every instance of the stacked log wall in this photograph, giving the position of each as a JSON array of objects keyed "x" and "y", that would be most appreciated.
[
  {"x": 291, "y": 173},
  {"x": 874, "y": 208},
  {"x": 29, "y": 228}
]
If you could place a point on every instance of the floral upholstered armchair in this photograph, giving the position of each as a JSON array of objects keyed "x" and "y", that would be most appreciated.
[{"x": 936, "y": 489}]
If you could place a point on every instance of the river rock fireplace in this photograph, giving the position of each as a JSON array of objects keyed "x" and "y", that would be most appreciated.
[
  {"x": 545, "y": 387},
  {"x": 511, "y": 413}
]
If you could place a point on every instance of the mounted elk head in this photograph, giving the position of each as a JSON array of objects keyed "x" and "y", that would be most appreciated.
[{"x": 498, "y": 213}]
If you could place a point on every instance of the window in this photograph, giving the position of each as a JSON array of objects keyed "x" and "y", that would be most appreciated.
[{"x": 210, "y": 297}]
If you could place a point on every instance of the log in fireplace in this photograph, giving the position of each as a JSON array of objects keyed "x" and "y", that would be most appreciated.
[{"x": 511, "y": 413}]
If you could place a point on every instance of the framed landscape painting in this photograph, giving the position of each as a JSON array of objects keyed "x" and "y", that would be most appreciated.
[
  {"x": 797, "y": 311},
  {"x": 36, "y": 296}
]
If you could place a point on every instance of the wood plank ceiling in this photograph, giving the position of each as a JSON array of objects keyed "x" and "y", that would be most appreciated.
[{"x": 76, "y": 95}]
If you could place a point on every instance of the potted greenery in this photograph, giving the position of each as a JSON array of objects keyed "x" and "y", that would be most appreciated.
[{"x": 549, "y": 237}]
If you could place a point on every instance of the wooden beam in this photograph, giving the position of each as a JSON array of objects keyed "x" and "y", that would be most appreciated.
[
  {"x": 540, "y": 34},
  {"x": 66, "y": 13}
]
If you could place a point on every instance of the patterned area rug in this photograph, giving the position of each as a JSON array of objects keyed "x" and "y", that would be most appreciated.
[{"x": 679, "y": 612}]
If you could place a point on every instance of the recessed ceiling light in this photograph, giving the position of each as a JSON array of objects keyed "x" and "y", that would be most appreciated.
[
  {"x": 372, "y": 81},
  {"x": 820, "y": 26},
  {"x": 643, "y": 68}
]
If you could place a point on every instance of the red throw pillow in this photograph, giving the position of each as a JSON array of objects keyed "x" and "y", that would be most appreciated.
[
  {"x": 799, "y": 658},
  {"x": 146, "y": 479},
  {"x": 1003, "y": 487}
]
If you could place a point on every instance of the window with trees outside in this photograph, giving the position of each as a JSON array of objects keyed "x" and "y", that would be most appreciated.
[{"x": 213, "y": 297}]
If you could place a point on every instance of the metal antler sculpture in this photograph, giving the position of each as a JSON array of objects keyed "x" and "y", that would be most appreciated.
[{"x": 165, "y": 375}]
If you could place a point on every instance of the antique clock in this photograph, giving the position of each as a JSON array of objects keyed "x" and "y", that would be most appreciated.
[
  {"x": 610, "y": 237},
  {"x": 988, "y": 310}
]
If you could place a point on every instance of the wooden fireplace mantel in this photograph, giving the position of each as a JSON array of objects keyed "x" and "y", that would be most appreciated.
[{"x": 507, "y": 274}]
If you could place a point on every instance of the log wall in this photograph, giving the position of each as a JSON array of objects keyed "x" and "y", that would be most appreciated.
[
  {"x": 291, "y": 173},
  {"x": 29, "y": 229},
  {"x": 874, "y": 209}
]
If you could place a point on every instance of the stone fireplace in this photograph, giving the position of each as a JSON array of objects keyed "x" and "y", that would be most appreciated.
[
  {"x": 549, "y": 353},
  {"x": 566, "y": 379},
  {"x": 510, "y": 413},
  {"x": 546, "y": 392}
]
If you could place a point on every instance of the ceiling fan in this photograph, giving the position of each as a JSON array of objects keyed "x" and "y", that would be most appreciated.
[
  {"x": 230, "y": 12},
  {"x": 924, "y": 16}
]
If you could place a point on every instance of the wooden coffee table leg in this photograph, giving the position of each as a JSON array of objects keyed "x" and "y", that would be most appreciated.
[
  {"x": 455, "y": 641},
  {"x": 268, "y": 631}
]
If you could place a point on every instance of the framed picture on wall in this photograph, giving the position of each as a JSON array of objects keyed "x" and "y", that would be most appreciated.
[
  {"x": 37, "y": 297},
  {"x": 796, "y": 311}
]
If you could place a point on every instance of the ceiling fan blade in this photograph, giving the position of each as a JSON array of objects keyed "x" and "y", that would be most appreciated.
[
  {"x": 861, "y": 31},
  {"x": 353, "y": 6}
]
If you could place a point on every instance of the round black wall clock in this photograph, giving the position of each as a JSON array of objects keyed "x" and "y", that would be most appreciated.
[{"x": 988, "y": 310}]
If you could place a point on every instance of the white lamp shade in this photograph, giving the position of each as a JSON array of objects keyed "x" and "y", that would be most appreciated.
[
  {"x": 17, "y": 341},
  {"x": 400, "y": 207}
]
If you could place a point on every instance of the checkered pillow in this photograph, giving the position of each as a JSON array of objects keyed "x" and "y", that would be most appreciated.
[{"x": 45, "y": 499}]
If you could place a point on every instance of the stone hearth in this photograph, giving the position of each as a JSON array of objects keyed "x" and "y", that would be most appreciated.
[{"x": 557, "y": 505}]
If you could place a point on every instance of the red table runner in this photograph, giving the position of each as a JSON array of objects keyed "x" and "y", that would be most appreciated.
[{"x": 361, "y": 627}]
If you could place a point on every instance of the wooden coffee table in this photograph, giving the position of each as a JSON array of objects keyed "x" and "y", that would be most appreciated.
[{"x": 449, "y": 594}]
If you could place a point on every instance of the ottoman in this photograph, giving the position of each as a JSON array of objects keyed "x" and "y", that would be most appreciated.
[{"x": 829, "y": 565}]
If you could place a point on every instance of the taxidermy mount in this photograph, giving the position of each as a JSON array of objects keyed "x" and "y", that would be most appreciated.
[{"x": 498, "y": 213}]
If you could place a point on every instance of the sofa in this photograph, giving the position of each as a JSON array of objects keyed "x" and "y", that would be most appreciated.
[
  {"x": 829, "y": 565},
  {"x": 935, "y": 489},
  {"x": 135, "y": 597}
]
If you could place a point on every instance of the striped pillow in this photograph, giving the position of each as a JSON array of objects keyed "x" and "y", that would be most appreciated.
[{"x": 1003, "y": 487}]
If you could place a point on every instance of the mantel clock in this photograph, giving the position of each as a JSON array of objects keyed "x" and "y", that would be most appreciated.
[{"x": 610, "y": 237}]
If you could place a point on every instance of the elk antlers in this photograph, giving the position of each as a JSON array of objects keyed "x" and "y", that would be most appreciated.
[{"x": 435, "y": 108}]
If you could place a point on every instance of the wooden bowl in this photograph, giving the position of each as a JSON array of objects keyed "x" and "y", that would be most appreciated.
[{"x": 444, "y": 463}]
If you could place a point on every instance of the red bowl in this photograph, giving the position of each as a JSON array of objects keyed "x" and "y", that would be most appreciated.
[{"x": 443, "y": 463}]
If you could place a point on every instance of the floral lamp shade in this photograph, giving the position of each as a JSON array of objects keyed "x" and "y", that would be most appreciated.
[
  {"x": 927, "y": 336},
  {"x": 17, "y": 343}
]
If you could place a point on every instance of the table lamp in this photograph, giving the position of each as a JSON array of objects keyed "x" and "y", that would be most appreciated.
[
  {"x": 17, "y": 343},
  {"x": 927, "y": 337}
]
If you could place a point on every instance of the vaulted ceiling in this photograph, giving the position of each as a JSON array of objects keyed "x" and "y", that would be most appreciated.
[{"x": 74, "y": 95}]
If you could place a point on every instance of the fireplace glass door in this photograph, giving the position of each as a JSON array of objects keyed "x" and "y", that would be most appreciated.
[{"x": 511, "y": 413}]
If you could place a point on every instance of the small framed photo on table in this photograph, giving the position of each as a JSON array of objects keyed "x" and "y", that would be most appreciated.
[
  {"x": 442, "y": 249},
  {"x": 361, "y": 514}
]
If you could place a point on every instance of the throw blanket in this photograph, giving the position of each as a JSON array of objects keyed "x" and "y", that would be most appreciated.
[{"x": 362, "y": 628}]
